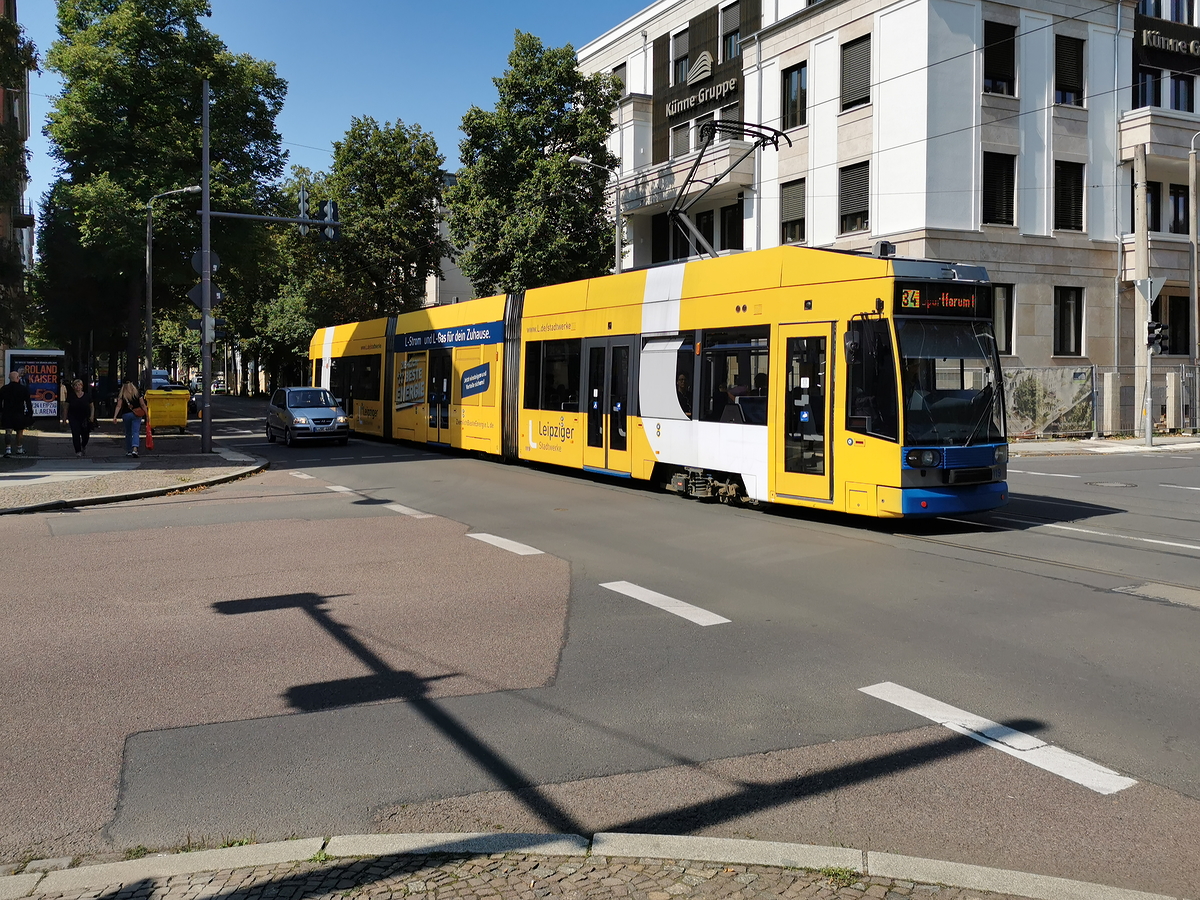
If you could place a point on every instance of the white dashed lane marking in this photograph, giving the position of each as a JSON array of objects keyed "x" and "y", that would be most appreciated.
[
  {"x": 1119, "y": 537},
  {"x": 300, "y": 475},
  {"x": 506, "y": 544},
  {"x": 339, "y": 489},
  {"x": 1180, "y": 487},
  {"x": 1047, "y": 474},
  {"x": 1017, "y": 744},
  {"x": 408, "y": 511},
  {"x": 668, "y": 604}
]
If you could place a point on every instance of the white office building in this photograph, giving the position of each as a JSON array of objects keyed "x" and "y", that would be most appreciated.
[{"x": 964, "y": 130}]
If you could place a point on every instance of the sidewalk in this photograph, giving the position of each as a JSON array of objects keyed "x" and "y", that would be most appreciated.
[
  {"x": 477, "y": 866},
  {"x": 50, "y": 476},
  {"x": 1162, "y": 443}
]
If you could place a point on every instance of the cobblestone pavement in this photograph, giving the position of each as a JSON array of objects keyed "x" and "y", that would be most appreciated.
[{"x": 518, "y": 876}]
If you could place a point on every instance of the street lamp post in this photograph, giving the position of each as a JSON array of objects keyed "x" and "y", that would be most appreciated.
[
  {"x": 584, "y": 161},
  {"x": 193, "y": 189},
  {"x": 1193, "y": 250}
]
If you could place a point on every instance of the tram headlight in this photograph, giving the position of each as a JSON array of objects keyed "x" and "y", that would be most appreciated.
[
  {"x": 923, "y": 459},
  {"x": 1001, "y": 454}
]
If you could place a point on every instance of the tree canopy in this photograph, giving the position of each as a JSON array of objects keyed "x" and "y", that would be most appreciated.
[
  {"x": 126, "y": 127},
  {"x": 522, "y": 215}
]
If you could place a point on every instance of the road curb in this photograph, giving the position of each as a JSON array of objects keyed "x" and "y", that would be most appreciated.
[
  {"x": 634, "y": 846},
  {"x": 258, "y": 465}
]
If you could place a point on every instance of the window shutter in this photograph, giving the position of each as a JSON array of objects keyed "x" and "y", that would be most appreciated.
[
  {"x": 681, "y": 45},
  {"x": 998, "y": 189},
  {"x": 856, "y": 72},
  {"x": 1068, "y": 196},
  {"x": 680, "y": 140},
  {"x": 999, "y": 52},
  {"x": 1068, "y": 64},
  {"x": 792, "y": 197},
  {"x": 854, "y": 183},
  {"x": 731, "y": 18}
]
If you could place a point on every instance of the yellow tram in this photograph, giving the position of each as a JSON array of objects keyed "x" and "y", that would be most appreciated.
[{"x": 865, "y": 384}]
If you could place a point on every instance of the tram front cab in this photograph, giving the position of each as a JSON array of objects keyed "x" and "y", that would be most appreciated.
[{"x": 947, "y": 418}]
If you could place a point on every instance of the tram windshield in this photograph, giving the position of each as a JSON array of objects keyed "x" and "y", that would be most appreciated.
[{"x": 950, "y": 378}]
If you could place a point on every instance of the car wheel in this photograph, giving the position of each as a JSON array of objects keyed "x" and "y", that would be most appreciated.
[
  {"x": 287, "y": 437},
  {"x": 270, "y": 435}
]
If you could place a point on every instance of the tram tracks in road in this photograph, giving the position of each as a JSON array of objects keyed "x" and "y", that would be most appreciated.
[{"x": 1030, "y": 558}]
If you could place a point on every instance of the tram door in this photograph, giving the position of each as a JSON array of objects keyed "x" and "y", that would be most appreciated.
[
  {"x": 441, "y": 377},
  {"x": 607, "y": 385},
  {"x": 802, "y": 411}
]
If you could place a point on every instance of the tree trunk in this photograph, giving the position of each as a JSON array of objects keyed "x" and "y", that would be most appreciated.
[{"x": 136, "y": 319}]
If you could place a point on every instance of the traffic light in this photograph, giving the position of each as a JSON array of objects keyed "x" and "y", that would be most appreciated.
[
  {"x": 1157, "y": 335},
  {"x": 328, "y": 212},
  {"x": 303, "y": 208}
]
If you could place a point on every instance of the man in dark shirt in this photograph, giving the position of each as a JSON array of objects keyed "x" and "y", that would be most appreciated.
[{"x": 16, "y": 408}]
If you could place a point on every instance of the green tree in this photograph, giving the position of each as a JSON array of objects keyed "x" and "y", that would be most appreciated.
[
  {"x": 126, "y": 127},
  {"x": 17, "y": 57},
  {"x": 387, "y": 180},
  {"x": 522, "y": 215}
]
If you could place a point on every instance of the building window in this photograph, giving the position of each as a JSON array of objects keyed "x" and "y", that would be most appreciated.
[
  {"x": 1153, "y": 206},
  {"x": 1068, "y": 196},
  {"x": 731, "y": 225},
  {"x": 1150, "y": 8},
  {"x": 1179, "y": 209},
  {"x": 854, "y": 183},
  {"x": 679, "y": 57},
  {"x": 999, "y": 188},
  {"x": 795, "y": 96},
  {"x": 700, "y": 123},
  {"x": 1068, "y": 71},
  {"x": 1183, "y": 91},
  {"x": 731, "y": 32},
  {"x": 792, "y": 197},
  {"x": 1178, "y": 320},
  {"x": 856, "y": 72},
  {"x": 1181, "y": 11},
  {"x": 999, "y": 58},
  {"x": 1147, "y": 87},
  {"x": 681, "y": 139},
  {"x": 1068, "y": 321},
  {"x": 1002, "y": 317},
  {"x": 704, "y": 225},
  {"x": 618, "y": 74}
]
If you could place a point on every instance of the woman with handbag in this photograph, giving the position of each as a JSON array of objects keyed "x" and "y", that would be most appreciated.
[
  {"x": 131, "y": 409},
  {"x": 81, "y": 413}
]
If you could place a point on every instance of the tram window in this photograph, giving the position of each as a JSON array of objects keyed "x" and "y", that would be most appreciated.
[
  {"x": 366, "y": 372},
  {"x": 552, "y": 375},
  {"x": 734, "y": 365},
  {"x": 871, "y": 404},
  {"x": 667, "y": 377}
]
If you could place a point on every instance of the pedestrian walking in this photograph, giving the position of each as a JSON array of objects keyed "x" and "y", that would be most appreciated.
[
  {"x": 81, "y": 413},
  {"x": 16, "y": 412},
  {"x": 64, "y": 397},
  {"x": 131, "y": 409}
]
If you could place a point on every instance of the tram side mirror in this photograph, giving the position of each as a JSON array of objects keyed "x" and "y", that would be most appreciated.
[{"x": 853, "y": 341}]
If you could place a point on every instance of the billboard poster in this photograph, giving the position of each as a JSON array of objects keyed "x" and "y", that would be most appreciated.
[{"x": 40, "y": 371}]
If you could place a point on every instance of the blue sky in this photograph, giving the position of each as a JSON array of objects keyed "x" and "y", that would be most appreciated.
[{"x": 421, "y": 62}]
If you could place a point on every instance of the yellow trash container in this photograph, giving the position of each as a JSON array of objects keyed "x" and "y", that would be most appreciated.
[{"x": 168, "y": 409}]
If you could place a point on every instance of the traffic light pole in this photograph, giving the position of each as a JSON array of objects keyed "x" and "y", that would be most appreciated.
[
  {"x": 205, "y": 282},
  {"x": 1149, "y": 385}
]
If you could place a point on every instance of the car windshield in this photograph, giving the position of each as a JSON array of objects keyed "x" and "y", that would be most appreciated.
[
  {"x": 310, "y": 399},
  {"x": 950, "y": 375}
]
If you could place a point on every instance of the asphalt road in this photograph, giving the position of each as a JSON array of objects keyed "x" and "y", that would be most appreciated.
[{"x": 322, "y": 648}]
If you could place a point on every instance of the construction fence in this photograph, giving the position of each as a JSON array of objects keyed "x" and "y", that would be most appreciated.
[{"x": 1082, "y": 401}]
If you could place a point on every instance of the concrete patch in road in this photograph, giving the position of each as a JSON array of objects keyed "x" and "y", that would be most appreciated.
[
  {"x": 393, "y": 844},
  {"x": 1171, "y": 593},
  {"x": 13, "y": 887}
]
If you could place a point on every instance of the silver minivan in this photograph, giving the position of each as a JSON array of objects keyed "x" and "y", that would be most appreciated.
[{"x": 306, "y": 412}]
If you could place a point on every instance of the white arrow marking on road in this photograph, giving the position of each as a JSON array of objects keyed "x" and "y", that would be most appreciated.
[
  {"x": 506, "y": 544},
  {"x": 408, "y": 511},
  {"x": 1023, "y": 746},
  {"x": 669, "y": 604}
]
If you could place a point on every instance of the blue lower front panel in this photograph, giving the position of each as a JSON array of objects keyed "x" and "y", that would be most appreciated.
[{"x": 943, "y": 501}]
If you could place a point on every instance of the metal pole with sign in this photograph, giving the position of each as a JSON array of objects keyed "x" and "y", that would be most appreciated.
[{"x": 205, "y": 280}]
